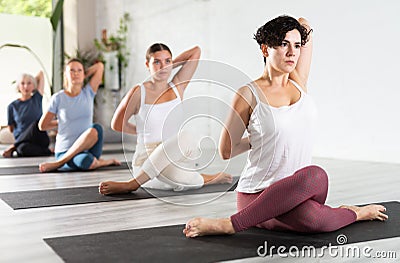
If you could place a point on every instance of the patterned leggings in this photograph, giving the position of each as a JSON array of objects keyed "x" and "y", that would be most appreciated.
[{"x": 295, "y": 203}]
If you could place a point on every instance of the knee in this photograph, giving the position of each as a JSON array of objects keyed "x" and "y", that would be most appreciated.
[
  {"x": 83, "y": 161},
  {"x": 96, "y": 131},
  {"x": 316, "y": 174},
  {"x": 187, "y": 142}
]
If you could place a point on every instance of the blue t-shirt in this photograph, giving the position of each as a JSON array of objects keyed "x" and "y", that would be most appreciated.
[
  {"x": 74, "y": 114},
  {"x": 21, "y": 114}
]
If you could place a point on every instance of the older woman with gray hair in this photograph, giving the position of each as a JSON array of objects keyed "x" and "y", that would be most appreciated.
[{"x": 23, "y": 116}]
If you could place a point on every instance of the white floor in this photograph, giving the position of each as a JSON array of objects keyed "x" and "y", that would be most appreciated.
[{"x": 22, "y": 231}]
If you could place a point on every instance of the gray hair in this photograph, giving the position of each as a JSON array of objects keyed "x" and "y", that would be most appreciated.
[{"x": 26, "y": 75}]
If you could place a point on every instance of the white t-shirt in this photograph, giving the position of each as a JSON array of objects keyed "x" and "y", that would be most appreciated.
[
  {"x": 281, "y": 142},
  {"x": 158, "y": 122}
]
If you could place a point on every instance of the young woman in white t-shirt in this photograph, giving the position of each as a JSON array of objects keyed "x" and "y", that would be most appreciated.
[
  {"x": 279, "y": 188},
  {"x": 164, "y": 153}
]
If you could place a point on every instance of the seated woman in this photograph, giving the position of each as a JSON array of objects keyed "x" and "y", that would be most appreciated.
[
  {"x": 163, "y": 152},
  {"x": 279, "y": 188},
  {"x": 23, "y": 116},
  {"x": 79, "y": 142}
]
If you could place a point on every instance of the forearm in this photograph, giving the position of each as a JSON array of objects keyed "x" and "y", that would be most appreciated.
[
  {"x": 129, "y": 128},
  {"x": 93, "y": 69},
  {"x": 95, "y": 73},
  {"x": 51, "y": 125},
  {"x": 229, "y": 149},
  {"x": 190, "y": 54},
  {"x": 241, "y": 147},
  {"x": 121, "y": 125},
  {"x": 48, "y": 122},
  {"x": 40, "y": 82},
  {"x": 304, "y": 22}
]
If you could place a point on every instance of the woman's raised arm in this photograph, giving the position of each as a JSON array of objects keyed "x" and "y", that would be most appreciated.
[
  {"x": 189, "y": 61},
  {"x": 302, "y": 70},
  {"x": 95, "y": 72}
]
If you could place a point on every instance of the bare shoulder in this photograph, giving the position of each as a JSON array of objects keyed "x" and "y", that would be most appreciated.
[
  {"x": 135, "y": 93},
  {"x": 245, "y": 95},
  {"x": 132, "y": 99},
  {"x": 297, "y": 80}
]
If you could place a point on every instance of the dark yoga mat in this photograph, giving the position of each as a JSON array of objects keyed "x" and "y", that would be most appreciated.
[
  {"x": 111, "y": 151},
  {"x": 168, "y": 244},
  {"x": 90, "y": 194},
  {"x": 34, "y": 169}
]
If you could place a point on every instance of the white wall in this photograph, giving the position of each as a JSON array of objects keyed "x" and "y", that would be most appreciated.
[
  {"x": 352, "y": 76},
  {"x": 33, "y": 32},
  {"x": 71, "y": 27}
]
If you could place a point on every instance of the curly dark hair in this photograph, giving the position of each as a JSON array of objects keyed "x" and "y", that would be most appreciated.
[
  {"x": 274, "y": 31},
  {"x": 156, "y": 47}
]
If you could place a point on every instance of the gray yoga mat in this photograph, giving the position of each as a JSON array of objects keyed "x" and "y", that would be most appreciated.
[
  {"x": 168, "y": 244},
  {"x": 90, "y": 194},
  {"x": 34, "y": 169}
]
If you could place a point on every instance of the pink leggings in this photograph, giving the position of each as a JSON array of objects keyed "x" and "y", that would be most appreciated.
[{"x": 295, "y": 203}]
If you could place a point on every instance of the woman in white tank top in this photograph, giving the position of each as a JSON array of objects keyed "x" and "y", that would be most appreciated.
[
  {"x": 279, "y": 189},
  {"x": 163, "y": 155}
]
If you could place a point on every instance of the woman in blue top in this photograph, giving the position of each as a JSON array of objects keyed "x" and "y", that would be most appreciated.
[
  {"x": 79, "y": 142},
  {"x": 23, "y": 116}
]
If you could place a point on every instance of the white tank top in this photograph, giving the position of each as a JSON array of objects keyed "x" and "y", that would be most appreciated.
[
  {"x": 281, "y": 141},
  {"x": 157, "y": 122}
]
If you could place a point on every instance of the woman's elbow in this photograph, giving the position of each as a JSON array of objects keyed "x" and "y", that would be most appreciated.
[
  {"x": 225, "y": 153},
  {"x": 116, "y": 126},
  {"x": 41, "y": 126},
  {"x": 197, "y": 52}
]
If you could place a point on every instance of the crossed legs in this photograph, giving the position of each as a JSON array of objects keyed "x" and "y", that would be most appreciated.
[
  {"x": 31, "y": 142},
  {"x": 90, "y": 141},
  {"x": 295, "y": 203},
  {"x": 167, "y": 162}
]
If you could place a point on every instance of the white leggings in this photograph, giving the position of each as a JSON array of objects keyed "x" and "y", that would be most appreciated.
[{"x": 171, "y": 164}]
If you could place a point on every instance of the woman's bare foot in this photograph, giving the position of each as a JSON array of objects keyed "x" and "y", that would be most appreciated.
[
  {"x": 8, "y": 153},
  {"x": 101, "y": 163},
  {"x": 368, "y": 212},
  {"x": 47, "y": 167},
  {"x": 208, "y": 226},
  {"x": 110, "y": 187},
  {"x": 219, "y": 178}
]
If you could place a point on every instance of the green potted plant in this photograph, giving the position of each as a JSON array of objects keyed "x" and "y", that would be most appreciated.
[{"x": 115, "y": 54}]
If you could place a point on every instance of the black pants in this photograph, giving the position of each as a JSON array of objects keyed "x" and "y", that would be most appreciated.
[{"x": 33, "y": 142}]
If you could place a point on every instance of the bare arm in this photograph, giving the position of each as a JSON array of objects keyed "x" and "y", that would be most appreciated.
[
  {"x": 47, "y": 122},
  {"x": 40, "y": 82},
  {"x": 189, "y": 61},
  {"x": 95, "y": 72},
  {"x": 127, "y": 107},
  {"x": 231, "y": 142},
  {"x": 302, "y": 70}
]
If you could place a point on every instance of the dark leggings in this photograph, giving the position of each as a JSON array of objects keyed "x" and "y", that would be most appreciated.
[
  {"x": 83, "y": 160},
  {"x": 32, "y": 142},
  {"x": 295, "y": 203}
]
